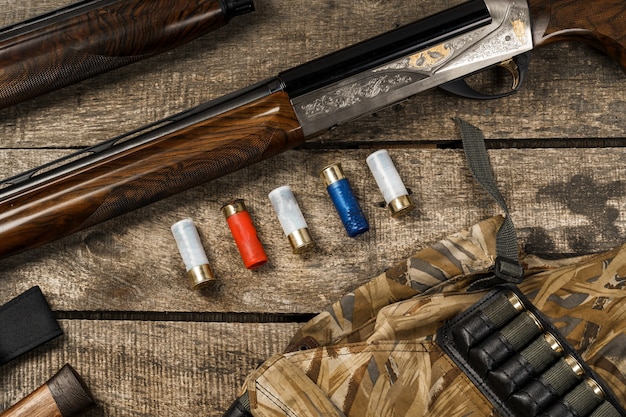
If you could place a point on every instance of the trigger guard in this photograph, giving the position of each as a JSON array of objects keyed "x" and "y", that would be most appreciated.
[{"x": 460, "y": 87}]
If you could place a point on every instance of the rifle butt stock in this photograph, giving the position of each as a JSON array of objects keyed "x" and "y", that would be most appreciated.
[
  {"x": 193, "y": 151},
  {"x": 600, "y": 23},
  {"x": 94, "y": 36},
  {"x": 63, "y": 395}
]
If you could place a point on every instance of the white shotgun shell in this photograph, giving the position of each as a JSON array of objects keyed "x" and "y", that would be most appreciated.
[
  {"x": 291, "y": 219},
  {"x": 389, "y": 182},
  {"x": 192, "y": 252}
]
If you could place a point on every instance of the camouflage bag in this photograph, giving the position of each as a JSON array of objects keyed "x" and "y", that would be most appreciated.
[{"x": 438, "y": 335}]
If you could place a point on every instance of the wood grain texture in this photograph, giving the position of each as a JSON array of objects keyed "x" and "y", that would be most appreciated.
[
  {"x": 72, "y": 46},
  {"x": 39, "y": 403},
  {"x": 566, "y": 83},
  {"x": 141, "y": 369},
  {"x": 106, "y": 187},
  {"x": 63, "y": 395},
  {"x": 562, "y": 200},
  {"x": 599, "y": 23},
  {"x": 70, "y": 392},
  {"x": 147, "y": 345}
]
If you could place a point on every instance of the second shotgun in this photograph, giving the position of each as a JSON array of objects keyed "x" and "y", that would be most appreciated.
[{"x": 91, "y": 37}]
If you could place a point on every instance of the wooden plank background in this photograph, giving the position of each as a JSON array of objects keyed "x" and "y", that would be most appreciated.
[{"x": 147, "y": 344}]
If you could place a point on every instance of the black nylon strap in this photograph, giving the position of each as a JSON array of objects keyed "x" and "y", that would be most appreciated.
[
  {"x": 239, "y": 408},
  {"x": 508, "y": 267},
  {"x": 25, "y": 323}
]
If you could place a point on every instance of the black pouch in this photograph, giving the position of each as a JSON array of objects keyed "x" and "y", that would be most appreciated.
[
  {"x": 25, "y": 323},
  {"x": 521, "y": 363}
]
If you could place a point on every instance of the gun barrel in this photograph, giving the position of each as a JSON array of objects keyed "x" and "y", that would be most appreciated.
[
  {"x": 64, "y": 395},
  {"x": 91, "y": 37}
]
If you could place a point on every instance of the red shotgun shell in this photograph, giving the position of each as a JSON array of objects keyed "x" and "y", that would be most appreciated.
[{"x": 244, "y": 233}]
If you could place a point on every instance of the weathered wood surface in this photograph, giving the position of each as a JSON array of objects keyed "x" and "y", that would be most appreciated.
[
  {"x": 151, "y": 368},
  {"x": 148, "y": 345},
  {"x": 571, "y": 203}
]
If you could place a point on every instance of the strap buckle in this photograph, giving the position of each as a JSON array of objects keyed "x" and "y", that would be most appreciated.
[{"x": 508, "y": 270}]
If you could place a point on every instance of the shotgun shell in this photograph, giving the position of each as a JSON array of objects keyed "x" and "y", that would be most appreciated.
[
  {"x": 390, "y": 184},
  {"x": 541, "y": 353},
  {"x": 481, "y": 323},
  {"x": 192, "y": 252},
  {"x": 502, "y": 344},
  {"x": 291, "y": 219},
  {"x": 344, "y": 200},
  {"x": 244, "y": 233},
  {"x": 582, "y": 400},
  {"x": 606, "y": 409},
  {"x": 537, "y": 395}
]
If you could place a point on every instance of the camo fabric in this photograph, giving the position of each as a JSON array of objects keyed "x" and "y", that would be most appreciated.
[{"x": 373, "y": 353}]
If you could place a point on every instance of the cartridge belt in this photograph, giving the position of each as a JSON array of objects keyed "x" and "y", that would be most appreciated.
[{"x": 521, "y": 363}]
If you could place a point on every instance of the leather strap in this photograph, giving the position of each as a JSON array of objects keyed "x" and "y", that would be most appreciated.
[{"x": 25, "y": 323}]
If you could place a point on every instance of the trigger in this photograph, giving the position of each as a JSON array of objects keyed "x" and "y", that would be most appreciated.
[
  {"x": 516, "y": 66},
  {"x": 514, "y": 69}
]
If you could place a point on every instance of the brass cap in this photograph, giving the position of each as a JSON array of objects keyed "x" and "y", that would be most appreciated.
[
  {"x": 200, "y": 276},
  {"x": 595, "y": 387},
  {"x": 331, "y": 174},
  {"x": 535, "y": 320},
  {"x": 301, "y": 240},
  {"x": 574, "y": 364},
  {"x": 400, "y": 206},
  {"x": 234, "y": 207},
  {"x": 552, "y": 341},
  {"x": 515, "y": 301}
]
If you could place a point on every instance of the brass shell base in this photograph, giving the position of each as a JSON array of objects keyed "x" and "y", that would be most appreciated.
[
  {"x": 200, "y": 276},
  {"x": 301, "y": 240},
  {"x": 400, "y": 206}
]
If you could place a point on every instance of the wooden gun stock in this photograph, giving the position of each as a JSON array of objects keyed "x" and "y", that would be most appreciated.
[
  {"x": 129, "y": 179},
  {"x": 600, "y": 23},
  {"x": 71, "y": 44},
  {"x": 64, "y": 395}
]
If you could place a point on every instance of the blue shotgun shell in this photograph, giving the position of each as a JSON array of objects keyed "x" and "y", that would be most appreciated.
[{"x": 344, "y": 200}]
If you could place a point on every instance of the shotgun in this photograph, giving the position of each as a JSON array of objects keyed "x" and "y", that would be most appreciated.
[
  {"x": 257, "y": 122},
  {"x": 63, "y": 395},
  {"x": 91, "y": 37}
]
